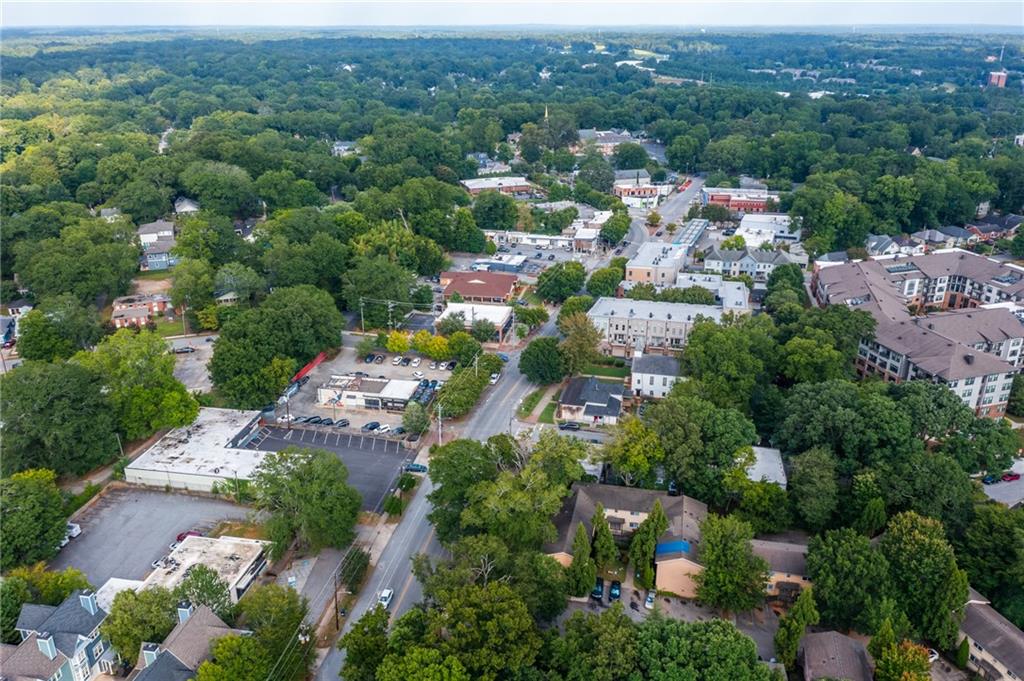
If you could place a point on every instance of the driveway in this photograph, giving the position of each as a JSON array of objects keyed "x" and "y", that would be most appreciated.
[{"x": 127, "y": 529}]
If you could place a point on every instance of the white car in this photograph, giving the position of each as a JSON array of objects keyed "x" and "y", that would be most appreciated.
[
  {"x": 74, "y": 529},
  {"x": 416, "y": 362},
  {"x": 384, "y": 429},
  {"x": 417, "y": 374},
  {"x": 494, "y": 378},
  {"x": 385, "y": 598}
]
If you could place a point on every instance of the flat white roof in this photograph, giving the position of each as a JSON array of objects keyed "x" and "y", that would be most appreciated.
[
  {"x": 211, "y": 446},
  {"x": 495, "y": 182},
  {"x": 496, "y": 314},
  {"x": 767, "y": 466},
  {"x": 650, "y": 309},
  {"x": 230, "y": 557}
]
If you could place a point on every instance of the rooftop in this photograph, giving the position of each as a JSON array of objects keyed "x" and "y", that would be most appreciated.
[
  {"x": 230, "y": 557},
  {"x": 212, "y": 445},
  {"x": 655, "y": 310}
]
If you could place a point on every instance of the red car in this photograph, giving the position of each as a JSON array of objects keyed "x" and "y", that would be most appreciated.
[
  {"x": 1010, "y": 477},
  {"x": 190, "y": 533}
]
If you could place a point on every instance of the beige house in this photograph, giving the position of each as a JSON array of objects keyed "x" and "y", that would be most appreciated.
[
  {"x": 624, "y": 509},
  {"x": 996, "y": 646}
]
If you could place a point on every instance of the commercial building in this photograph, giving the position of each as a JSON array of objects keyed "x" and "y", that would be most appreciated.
[
  {"x": 655, "y": 263},
  {"x": 739, "y": 200},
  {"x": 479, "y": 287},
  {"x": 653, "y": 376},
  {"x": 995, "y": 645},
  {"x": 975, "y": 352},
  {"x": 767, "y": 228},
  {"x": 211, "y": 451},
  {"x": 236, "y": 560},
  {"x": 646, "y": 326},
  {"x": 513, "y": 186},
  {"x": 499, "y": 315},
  {"x": 625, "y": 508},
  {"x": 753, "y": 262},
  {"x": 364, "y": 392}
]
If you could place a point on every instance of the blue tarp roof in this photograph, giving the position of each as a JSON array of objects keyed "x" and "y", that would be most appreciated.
[{"x": 674, "y": 546}]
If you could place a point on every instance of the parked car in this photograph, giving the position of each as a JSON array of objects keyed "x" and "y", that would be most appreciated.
[
  {"x": 568, "y": 425},
  {"x": 649, "y": 601},
  {"x": 615, "y": 592},
  {"x": 341, "y": 423},
  {"x": 384, "y": 429},
  {"x": 385, "y": 598},
  {"x": 415, "y": 468},
  {"x": 371, "y": 426},
  {"x": 416, "y": 362},
  {"x": 1011, "y": 477},
  {"x": 74, "y": 529},
  {"x": 598, "y": 591},
  {"x": 494, "y": 378}
]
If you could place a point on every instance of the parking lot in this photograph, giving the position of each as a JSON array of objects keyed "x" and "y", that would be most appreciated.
[
  {"x": 373, "y": 463},
  {"x": 190, "y": 367},
  {"x": 127, "y": 529}
]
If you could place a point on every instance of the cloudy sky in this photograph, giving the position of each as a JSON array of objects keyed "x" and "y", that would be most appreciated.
[{"x": 694, "y": 13}]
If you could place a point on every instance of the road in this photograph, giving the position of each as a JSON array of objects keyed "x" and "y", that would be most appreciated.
[{"x": 415, "y": 534}]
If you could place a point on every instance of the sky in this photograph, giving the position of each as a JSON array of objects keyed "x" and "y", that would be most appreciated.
[{"x": 590, "y": 13}]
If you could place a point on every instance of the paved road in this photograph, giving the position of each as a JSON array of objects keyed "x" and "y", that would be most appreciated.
[{"x": 415, "y": 534}]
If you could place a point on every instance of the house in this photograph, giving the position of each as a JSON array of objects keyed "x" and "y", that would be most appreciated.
[
  {"x": 994, "y": 227},
  {"x": 479, "y": 287},
  {"x": 787, "y": 565},
  {"x": 753, "y": 262},
  {"x": 654, "y": 375},
  {"x": 59, "y": 642},
  {"x": 185, "y": 206},
  {"x": 624, "y": 509},
  {"x": 995, "y": 645},
  {"x": 647, "y": 326},
  {"x": 831, "y": 655},
  {"x": 185, "y": 648},
  {"x": 589, "y": 400},
  {"x": 512, "y": 186}
]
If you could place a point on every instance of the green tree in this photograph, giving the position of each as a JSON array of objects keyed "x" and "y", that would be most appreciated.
[
  {"x": 560, "y": 281},
  {"x": 203, "y": 586},
  {"x": 541, "y": 362},
  {"x": 793, "y": 625},
  {"x": 57, "y": 328},
  {"x": 606, "y": 553},
  {"x": 307, "y": 494},
  {"x": 925, "y": 576},
  {"x": 582, "y": 573},
  {"x": 138, "y": 375},
  {"x": 580, "y": 346},
  {"x": 813, "y": 487},
  {"x": 365, "y": 646},
  {"x": 644, "y": 543},
  {"x": 605, "y": 281},
  {"x": 850, "y": 577},
  {"x": 33, "y": 518},
  {"x": 138, "y": 617},
  {"x": 77, "y": 432},
  {"x": 494, "y": 210},
  {"x": 733, "y": 578}
]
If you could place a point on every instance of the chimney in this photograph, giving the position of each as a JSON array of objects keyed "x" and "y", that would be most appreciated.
[
  {"x": 44, "y": 640},
  {"x": 184, "y": 611},
  {"x": 88, "y": 601},
  {"x": 150, "y": 651}
]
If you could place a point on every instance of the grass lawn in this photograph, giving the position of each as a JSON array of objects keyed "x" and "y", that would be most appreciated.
[
  {"x": 166, "y": 328},
  {"x": 610, "y": 372},
  {"x": 155, "y": 275},
  {"x": 530, "y": 403},
  {"x": 548, "y": 414}
]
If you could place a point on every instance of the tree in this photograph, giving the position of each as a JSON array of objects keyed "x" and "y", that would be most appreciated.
[
  {"x": 579, "y": 348},
  {"x": 643, "y": 544},
  {"x": 203, "y": 586},
  {"x": 236, "y": 658},
  {"x": 634, "y": 451},
  {"x": 606, "y": 553},
  {"x": 904, "y": 662},
  {"x": 605, "y": 281},
  {"x": 813, "y": 486},
  {"x": 365, "y": 646},
  {"x": 57, "y": 328},
  {"x": 541, "y": 362},
  {"x": 793, "y": 625},
  {"x": 33, "y": 518},
  {"x": 582, "y": 572},
  {"x": 925, "y": 575},
  {"x": 415, "y": 418},
  {"x": 483, "y": 330},
  {"x": 629, "y": 156},
  {"x": 571, "y": 306},
  {"x": 496, "y": 211},
  {"x": 306, "y": 491},
  {"x": 138, "y": 375},
  {"x": 733, "y": 578},
  {"x": 137, "y": 617},
  {"x": 77, "y": 433},
  {"x": 560, "y": 281},
  {"x": 850, "y": 577}
]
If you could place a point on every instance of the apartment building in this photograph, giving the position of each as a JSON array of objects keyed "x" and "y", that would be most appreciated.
[{"x": 652, "y": 327}]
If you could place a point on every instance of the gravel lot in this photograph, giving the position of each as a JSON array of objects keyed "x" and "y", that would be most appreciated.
[{"x": 127, "y": 529}]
